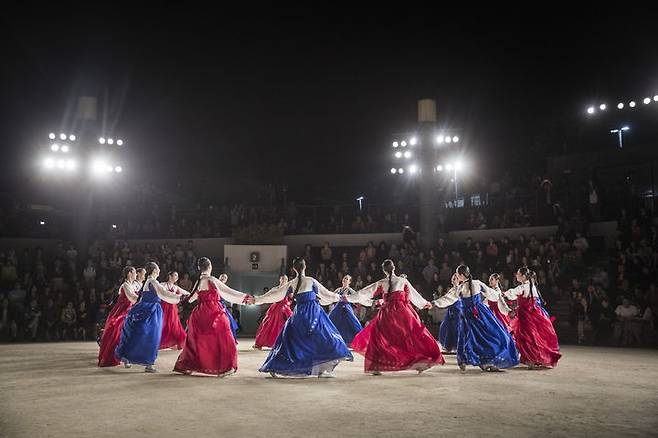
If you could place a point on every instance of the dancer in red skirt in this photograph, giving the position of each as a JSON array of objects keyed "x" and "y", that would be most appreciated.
[
  {"x": 114, "y": 322},
  {"x": 499, "y": 307},
  {"x": 210, "y": 347},
  {"x": 173, "y": 333},
  {"x": 533, "y": 329},
  {"x": 274, "y": 320},
  {"x": 395, "y": 339}
]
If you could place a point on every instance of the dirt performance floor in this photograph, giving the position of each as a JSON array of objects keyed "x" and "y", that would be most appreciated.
[{"x": 56, "y": 390}]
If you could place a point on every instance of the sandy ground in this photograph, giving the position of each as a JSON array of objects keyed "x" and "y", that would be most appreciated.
[{"x": 55, "y": 390}]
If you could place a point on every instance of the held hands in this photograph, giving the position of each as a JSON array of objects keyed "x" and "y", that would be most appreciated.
[
  {"x": 249, "y": 299},
  {"x": 428, "y": 306}
]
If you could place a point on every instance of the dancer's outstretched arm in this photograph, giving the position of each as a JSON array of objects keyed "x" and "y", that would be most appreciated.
[
  {"x": 515, "y": 292},
  {"x": 163, "y": 292},
  {"x": 448, "y": 299},
  {"x": 326, "y": 296},
  {"x": 231, "y": 295},
  {"x": 275, "y": 294},
  {"x": 416, "y": 298},
  {"x": 364, "y": 296}
]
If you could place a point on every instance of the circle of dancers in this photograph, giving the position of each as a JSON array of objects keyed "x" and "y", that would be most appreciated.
[{"x": 479, "y": 327}]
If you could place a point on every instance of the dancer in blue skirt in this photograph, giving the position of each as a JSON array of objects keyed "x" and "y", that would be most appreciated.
[
  {"x": 309, "y": 344},
  {"x": 343, "y": 316},
  {"x": 142, "y": 328},
  {"x": 223, "y": 278},
  {"x": 482, "y": 340},
  {"x": 449, "y": 328}
]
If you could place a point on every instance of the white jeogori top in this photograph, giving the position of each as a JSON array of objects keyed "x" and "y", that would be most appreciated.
[
  {"x": 231, "y": 295},
  {"x": 364, "y": 296},
  {"x": 522, "y": 289},
  {"x": 130, "y": 291},
  {"x": 278, "y": 293},
  {"x": 462, "y": 290},
  {"x": 164, "y": 294}
]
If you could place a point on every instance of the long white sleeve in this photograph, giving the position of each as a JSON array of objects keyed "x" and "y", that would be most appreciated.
[
  {"x": 163, "y": 292},
  {"x": 513, "y": 294},
  {"x": 448, "y": 299},
  {"x": 500, "y": 302},
  {"x": 175, "y": 288},
  {"x": 326, "y": 296},
  {"x": 129, "y": 291},
  {"x": 415, "y": 297},
  {"x": 231, "y": 295},
  {"x": 490, "y": 294},
  {"x": 364, "y": 296},
  {"x": 275, "y": 294}
]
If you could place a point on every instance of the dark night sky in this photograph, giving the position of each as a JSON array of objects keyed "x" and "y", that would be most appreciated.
[{"x": 315, "y": 92}]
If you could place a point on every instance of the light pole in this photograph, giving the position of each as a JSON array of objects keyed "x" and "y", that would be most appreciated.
[
  {"x": 620, "y": 134},
  {"x": 415, "y": 154}
]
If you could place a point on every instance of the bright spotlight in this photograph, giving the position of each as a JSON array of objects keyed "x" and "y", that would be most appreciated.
[
  {"x": 101, "y": 140},
  {"x": 62, "y": 136},
  {"x": 61, "y": 164},
  {"x": 448, "y": 139},
  {"x": 448, "y": 166},
  {"x": 398, "y": 154},
  {"x": 439, "y": 168},
  {"x": 400, "y": 171},
  {"x": 403, "y": 143},
  {"x": 72, "y": 137},
  {"x": 49, "y": 163},
  {"x": 413, "y": 141},
  {"x": 459, "y": 165},
  {"x": 65, "y": 148},
  {"x": 109, "y": 168},
  {"x": 120, "y": 142},
  {"x": 413, "y": 169},
  {"x": 99, "y": 166},
  {"x": 394, "y": 170},
  {"x": 620, "y": 105},
  {"x": 590, "y": 110},
  {"x": 631, "y": 104},
  {"x": 110, "y": 141},
  {"x": 655, "y": 98},
  {"x": 407, "y": 154},
  {"x": 395, "y": 144},
  {"x": 647, "y": 100},
  {"x": 603, "y": 107},
  {"x": 42, "y": 222},
  {"x": 52, "y": 136},
  {"x": 71, "y": 165},
  {"x": 118, "y": 169},
  {"x": 114, "y": 226},
  {"x": 625, "y": 128},
  {"x": 455, "y": 139},
  {"x": 54, "y": 147},
  {"x": 439, "y": 139}
]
